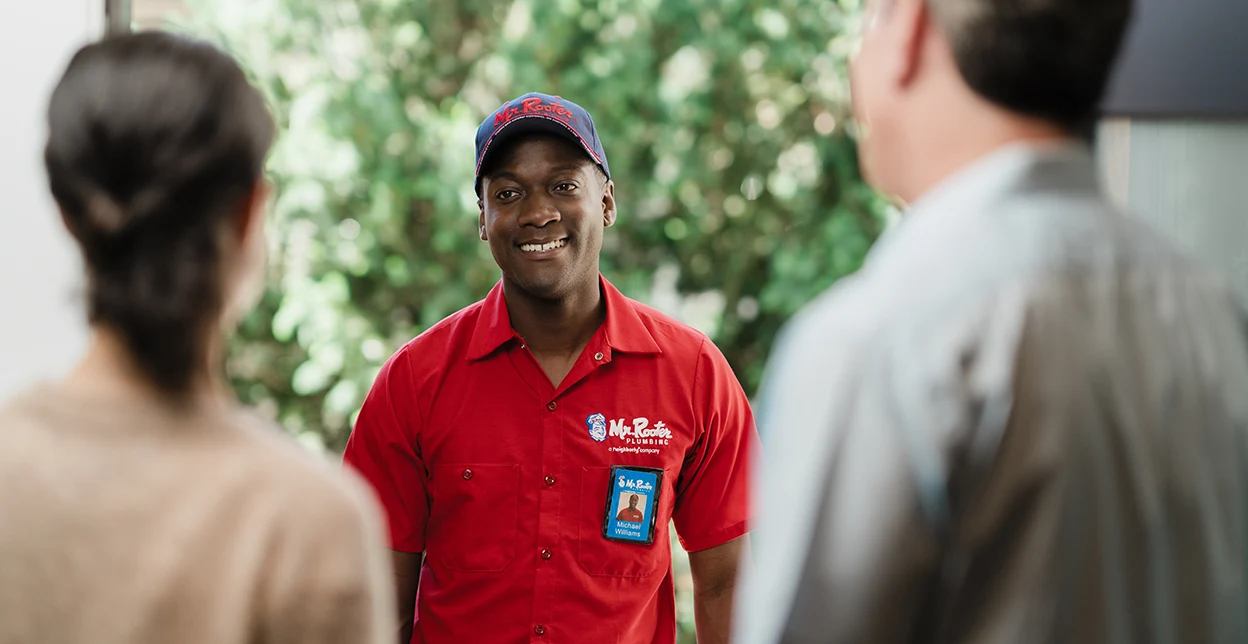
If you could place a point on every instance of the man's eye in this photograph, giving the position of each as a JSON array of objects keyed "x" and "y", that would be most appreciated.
[
  {"x": 566, "y": 187},
  {"x": 504, "y": 195}
]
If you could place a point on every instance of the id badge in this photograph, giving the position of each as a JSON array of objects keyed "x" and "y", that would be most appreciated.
[{"x": 631, "y": 504}]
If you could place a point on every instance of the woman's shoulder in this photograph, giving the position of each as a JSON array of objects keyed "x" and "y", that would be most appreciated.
[
  {"x": 248, "y": 464},
  {"x": 311, "y": 486}
]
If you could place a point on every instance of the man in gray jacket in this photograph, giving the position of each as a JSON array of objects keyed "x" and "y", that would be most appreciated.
[{"x": 1025, "y": 419}]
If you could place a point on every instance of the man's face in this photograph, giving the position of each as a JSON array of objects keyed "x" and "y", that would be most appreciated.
[
  {"x": 632, "y": 501},
  {"x": 544, "y": 205}
]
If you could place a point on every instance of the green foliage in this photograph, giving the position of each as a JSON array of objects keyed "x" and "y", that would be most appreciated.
[
  {"x": 738, "y": 187},
  {"x": 737, "y": 184}
]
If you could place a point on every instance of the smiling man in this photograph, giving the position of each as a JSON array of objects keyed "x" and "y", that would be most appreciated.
[
  {"x": 631, "y": 513},
  {"x": 559, "y": 395}
]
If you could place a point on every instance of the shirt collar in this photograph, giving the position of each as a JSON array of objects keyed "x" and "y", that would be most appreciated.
[
  {"x": 1017, "y": 168},
  {"x": 623, "y": 330}
]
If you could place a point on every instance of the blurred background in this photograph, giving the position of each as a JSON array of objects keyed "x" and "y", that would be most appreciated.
[
  {"x": 727, "y": 127},
  {"x": 724, "y": 122}
]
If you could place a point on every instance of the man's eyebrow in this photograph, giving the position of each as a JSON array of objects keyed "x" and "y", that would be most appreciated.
[{"x": 502, "y": 175}]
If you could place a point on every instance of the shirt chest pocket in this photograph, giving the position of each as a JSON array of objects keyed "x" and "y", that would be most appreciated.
[
  {"x": 473, "y": 518},
  {"x": 604, "y": 558}
]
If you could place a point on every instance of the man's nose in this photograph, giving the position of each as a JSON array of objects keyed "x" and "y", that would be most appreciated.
[{"x": 538, "y": 210}]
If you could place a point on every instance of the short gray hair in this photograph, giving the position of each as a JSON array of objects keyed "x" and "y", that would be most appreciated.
[{"x": 1050, "y": 59}]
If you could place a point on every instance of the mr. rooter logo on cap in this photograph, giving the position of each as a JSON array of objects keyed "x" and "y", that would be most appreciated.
[
  {"x": 534, "y": 105},
  {"x": 536, "y": 113}
]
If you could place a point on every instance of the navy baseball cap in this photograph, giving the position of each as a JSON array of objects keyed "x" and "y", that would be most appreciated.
[{"x": 536, "y": 113}]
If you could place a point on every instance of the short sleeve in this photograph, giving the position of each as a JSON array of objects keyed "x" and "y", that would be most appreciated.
[
  {"x": 713, "y": 490},
  {"x": 383, "y": 449}
]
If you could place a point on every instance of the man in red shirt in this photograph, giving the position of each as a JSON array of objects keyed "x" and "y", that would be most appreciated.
[
  {"x": 557, "y": 394},
  {"x": 631, "y": 513}
]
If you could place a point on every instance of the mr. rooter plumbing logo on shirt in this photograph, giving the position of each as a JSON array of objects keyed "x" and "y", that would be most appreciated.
[{"x": 636, "y": 437}]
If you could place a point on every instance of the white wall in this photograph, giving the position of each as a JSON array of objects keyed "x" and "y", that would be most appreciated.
[
  {"x": 42, "y": 328},
  {"x": 1188, "y": 180}
]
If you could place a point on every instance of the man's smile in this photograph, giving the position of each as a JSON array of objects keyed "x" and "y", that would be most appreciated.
[{"x": 542, "y": 246}]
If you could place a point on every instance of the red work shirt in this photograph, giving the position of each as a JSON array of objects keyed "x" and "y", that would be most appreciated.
[{"x": 501, "y": 478}]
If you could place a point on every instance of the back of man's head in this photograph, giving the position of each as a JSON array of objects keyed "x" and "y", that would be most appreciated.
[
  {"x": 940, "y": 83},
  {"x": 1049, "y": 59}
]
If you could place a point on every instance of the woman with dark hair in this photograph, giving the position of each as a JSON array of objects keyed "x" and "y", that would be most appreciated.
[{"x": 138, "y": 502}]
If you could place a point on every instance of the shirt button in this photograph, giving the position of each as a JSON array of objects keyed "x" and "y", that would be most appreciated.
[
  {"x": 598, "y": 356},
  {"x": 551, "y": 405},
  {"x": 546, "y": 554},
  {"x": 540, "y": 630},
  {"x": 467, "y": 474},
  {"x": 550, "y": 480}
]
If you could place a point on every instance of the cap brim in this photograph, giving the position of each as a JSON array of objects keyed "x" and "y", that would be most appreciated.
[{"x": 529, "y": 125}]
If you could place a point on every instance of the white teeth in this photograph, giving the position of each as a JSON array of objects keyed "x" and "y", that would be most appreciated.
[{"x": 541, "y": 248}]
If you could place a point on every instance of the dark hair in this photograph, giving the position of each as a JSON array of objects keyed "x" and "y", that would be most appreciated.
[
  {"x": 1049, "y": 59},
  {"x": 154, "y": 141}
]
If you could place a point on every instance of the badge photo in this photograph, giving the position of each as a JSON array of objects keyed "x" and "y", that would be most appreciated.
[{"x": 632, "y": 501}]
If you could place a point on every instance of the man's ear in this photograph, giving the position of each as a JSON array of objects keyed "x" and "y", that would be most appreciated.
[
  {"x": 911, "y": 26},
  {"x": 481, "y": 220},
  {"x": 608, "y": 204}
]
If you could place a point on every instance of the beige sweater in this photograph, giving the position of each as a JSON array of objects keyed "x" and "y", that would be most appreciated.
[{"x": 122, "y": 524}]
